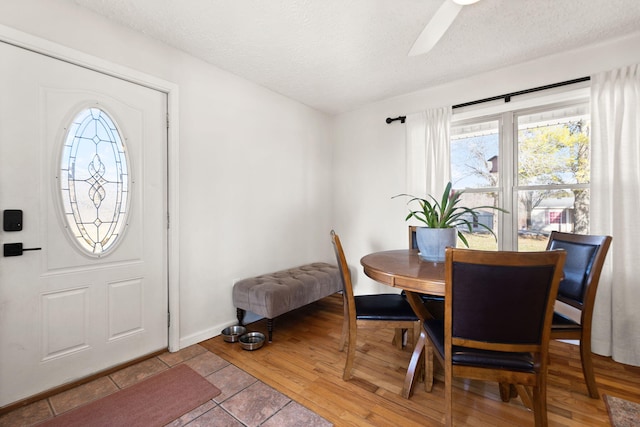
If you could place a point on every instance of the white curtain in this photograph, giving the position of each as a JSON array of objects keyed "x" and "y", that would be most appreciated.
[
  {"x": 615, "y": 210},
  {"x": 428, "y": 164}
]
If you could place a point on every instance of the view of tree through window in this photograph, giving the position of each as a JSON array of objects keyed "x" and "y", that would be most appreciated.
[
  {"x": 539, "y": 173},
  {"x": 553, "y": 158},
  {"x": 474, "y": 167}
]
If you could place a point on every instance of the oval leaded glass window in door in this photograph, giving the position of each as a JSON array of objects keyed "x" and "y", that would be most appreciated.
[{"x": 94, "y": 181}]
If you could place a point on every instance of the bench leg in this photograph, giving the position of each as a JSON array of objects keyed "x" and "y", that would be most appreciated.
[
  {"x": 270, "y": 328},
  {"x": 240, "y": 314}
]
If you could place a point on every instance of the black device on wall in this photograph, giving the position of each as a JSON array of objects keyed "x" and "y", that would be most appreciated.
[{"x": 12, "y": 220}]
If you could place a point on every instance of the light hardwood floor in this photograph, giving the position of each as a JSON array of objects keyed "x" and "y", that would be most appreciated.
[{"x": 303, "y": 362}]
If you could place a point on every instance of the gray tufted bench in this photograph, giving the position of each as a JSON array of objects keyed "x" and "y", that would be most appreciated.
[{"x": 273, "y": 294}]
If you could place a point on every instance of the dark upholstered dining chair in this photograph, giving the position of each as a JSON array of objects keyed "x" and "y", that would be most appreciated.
[
  {"x": 585, "y": 257},
  {"x": 369, "y": 311},
  {"x": 497, "y": 322}
]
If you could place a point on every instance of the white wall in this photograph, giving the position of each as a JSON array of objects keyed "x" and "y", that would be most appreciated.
[
  {"x": 369, "y": 155},
  {"x": 257, "y": 170},
  {"x": 254, "y": 166}
]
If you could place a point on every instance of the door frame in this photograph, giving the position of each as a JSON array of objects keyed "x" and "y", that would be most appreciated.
[{"x": 54, "y": 50}]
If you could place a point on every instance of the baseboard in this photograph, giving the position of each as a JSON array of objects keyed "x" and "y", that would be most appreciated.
[{"x": 214, "y": 331}]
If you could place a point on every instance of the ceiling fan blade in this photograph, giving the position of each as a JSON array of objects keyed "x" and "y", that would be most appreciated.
[{"x": 434, "y": 30}]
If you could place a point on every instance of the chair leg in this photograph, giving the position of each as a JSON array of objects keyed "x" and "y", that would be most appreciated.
[
  {"x": 428, "y": 368},
  {"x": 351, "y": 353},
  {"x": 508, "y": 392},
  {"x": 540, "y": 406},
  {"x": 448, "y": 395},
  {"x": 398, "y": 338},
  {"x": 406, "y": 337},
  {"x": 343, "y": 336},
  {"x": 505, "y": 391},
  {"x": 345, "y": 328},
  {"x": 587, "y": 367}
]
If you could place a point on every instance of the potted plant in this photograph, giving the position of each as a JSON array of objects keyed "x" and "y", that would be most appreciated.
[{"x": 444, "y": 219}]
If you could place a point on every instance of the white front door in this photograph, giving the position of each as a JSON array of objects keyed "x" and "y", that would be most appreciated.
[{"x": 93, "y": 293}]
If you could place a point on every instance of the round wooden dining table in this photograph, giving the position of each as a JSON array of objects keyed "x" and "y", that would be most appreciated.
[{"x": 405, "y": 269}]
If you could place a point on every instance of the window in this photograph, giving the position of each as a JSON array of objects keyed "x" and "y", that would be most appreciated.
[
  {"x": 94, "y": 181},
  {"x": 533, "y": 162},
  {"x": 474, "y": 166}
]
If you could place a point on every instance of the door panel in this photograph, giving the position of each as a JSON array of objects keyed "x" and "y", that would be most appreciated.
[{"x": 65, "y": 314}]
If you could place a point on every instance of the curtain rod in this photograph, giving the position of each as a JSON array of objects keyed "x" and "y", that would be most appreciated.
[{"x": 506, "y": 96}]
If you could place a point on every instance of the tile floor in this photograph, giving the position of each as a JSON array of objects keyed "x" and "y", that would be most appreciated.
[{"x": 244, "y": 400}]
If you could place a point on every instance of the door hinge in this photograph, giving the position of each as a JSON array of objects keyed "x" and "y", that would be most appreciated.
[
  {"x": 168, "y": 220},
  {"x": 167, "y": 120},
  {"x": 168, "y": 319}
]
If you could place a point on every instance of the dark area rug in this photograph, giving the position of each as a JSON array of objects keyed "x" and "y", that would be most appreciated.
[
  {"x": 155, "y": 401},
  {"x": 622, "y": 413}
]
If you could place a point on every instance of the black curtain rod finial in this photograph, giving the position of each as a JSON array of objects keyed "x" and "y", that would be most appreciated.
[{"x": 401, "y": 118}]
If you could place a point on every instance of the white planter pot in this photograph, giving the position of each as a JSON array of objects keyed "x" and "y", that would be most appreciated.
[{"x": 433, "y": 241}]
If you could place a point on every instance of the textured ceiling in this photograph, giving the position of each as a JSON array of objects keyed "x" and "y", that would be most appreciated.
[{"x": 336, "y": 55}]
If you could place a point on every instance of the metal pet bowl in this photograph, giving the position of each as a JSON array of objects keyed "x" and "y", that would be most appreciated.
[
  {"x": 232, "y": 333},
  {"x": 252, "y": 340}
]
